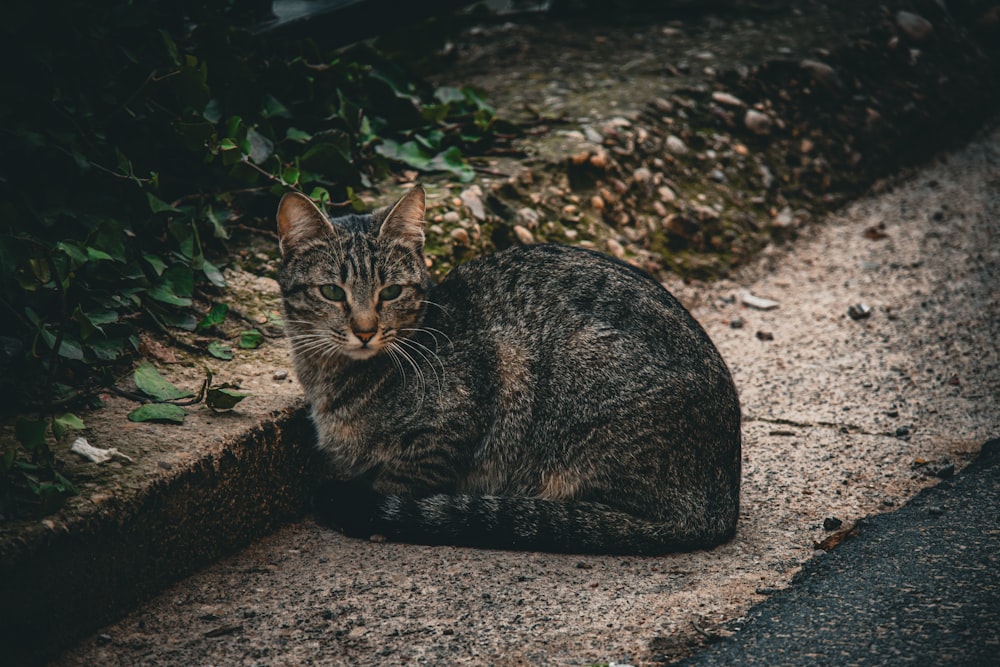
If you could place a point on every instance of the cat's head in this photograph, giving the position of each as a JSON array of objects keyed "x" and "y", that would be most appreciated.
[{"x": 352, "y": 286}]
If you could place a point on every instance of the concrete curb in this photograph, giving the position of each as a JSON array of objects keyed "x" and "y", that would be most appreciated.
[{"x": 56, "y": 586}]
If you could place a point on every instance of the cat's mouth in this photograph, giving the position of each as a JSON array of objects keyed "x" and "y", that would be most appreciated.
[{"x": 364, "y": 348}]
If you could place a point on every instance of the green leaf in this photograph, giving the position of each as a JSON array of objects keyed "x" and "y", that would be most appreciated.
[
  {"x": 103, "y": 317},
  {"x": 215, "y": 316},
  {"x": 87, "y": 326},
  {"x": 261, "y": 147},
  {"x": 251, "y": 340},
  {"x": 435, "y": 113},
  {"x": 213, "y": 111},
  {"x": 297, "y": 135},
  {"x": 330, "y": 160},
  {"x": 408, "y": 153},
  {"x": 64, "y": 484},
  {"x": 448, "y": 95},
  {"x": 108, "y": 349},
  {"x": 322, "y": 195},
  {"x": 179, "y": 319},
  {"x": 290, "y": 175},
  {"x": 73, "y": 251},
  {"x": 451, "y": 161},
  {"x": 186, "y": 234},
  {"x": 68, "y": 348},
  {"x": 223, "y": 398},
  {"x": 164, "y": 294},
  {"x": 95, "y": 255},
  {"x": 65, "y": 423},
  {"x": 176, "y": 287},
  {"x": 158, "y": 265},
  {"x": 220, "y": 350},
  {"x": 157, "y": 205},
  {"x": 30, "y": 433},
  {"x": 158, "y": 412},
  {"x": 218, "y": 226},
  {"x": 273, "y": 108},
  {"x": 213, "y": 274},
  {"x": 151, "y": 383},
  {"x": 477, "y": 99}
]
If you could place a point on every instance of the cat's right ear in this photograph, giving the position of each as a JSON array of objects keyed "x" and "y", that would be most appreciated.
[
  {"x": 299, "y": 219},
  {"x": 405, "y": 219}
]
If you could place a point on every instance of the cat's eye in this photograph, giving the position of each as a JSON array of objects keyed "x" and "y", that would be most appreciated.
[
  {"x": 391, "y": 292},
  {"x": 333, "y": 292}
]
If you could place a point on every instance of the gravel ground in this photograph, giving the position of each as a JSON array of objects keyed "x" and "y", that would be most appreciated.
[{"x": 844, "y": 418}]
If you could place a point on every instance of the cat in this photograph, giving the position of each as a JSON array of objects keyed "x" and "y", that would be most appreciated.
[{"x": 541, "y": 398}]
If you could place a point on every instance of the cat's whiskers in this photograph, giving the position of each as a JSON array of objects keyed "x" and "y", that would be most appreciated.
[
  {"x": 429, "y": 356},
  {"x": 316, "y": 340},
  {"x": 416, "y": 370},
  {"x": 394, "y": 355},
  {"x": 436, "y": 305},
  {"x": 434, "y": 333}
]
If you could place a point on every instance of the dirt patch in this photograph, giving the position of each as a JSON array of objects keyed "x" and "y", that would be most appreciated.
[{"x": 687, "y": 146}]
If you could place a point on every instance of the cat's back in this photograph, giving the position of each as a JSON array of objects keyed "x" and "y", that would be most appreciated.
[{"x": 549, "y": 293}]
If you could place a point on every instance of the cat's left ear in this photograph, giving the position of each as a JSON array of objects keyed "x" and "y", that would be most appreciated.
[{"x": 405, "y": 219}]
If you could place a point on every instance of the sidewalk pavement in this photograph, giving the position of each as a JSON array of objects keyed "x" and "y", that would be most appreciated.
[{"x": 918, "y": 586}]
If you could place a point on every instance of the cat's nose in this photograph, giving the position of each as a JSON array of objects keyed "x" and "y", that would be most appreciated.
[{"x": 364, "y": 336}]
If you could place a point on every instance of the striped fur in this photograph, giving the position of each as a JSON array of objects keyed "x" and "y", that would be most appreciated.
[{"x": 541, "y": 398}]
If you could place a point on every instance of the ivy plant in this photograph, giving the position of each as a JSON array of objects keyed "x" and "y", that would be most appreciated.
[{"x": 136, "y": 142}]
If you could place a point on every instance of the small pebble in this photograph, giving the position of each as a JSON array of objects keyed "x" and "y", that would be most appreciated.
[
  {"x": 859, "y": 311},
  {"x": 760, "y": 303},
  {"x": 472, "y": 198},
  {"x": 736, "y": 323},
  {"x": 822, "y": 74},
  {"x": 662, "y": 105},
  {"x": 765, "y": 335},
  {"x": 616, "y": 249},
  {"x": 641, "y": 175},
  {"x": 914, "y": 26},
  {"x": 945, "y": 471},
  {"x": 676, "y": 145},
  {"x": 757, "y": 122},
  {"x": 726, "y": 98},
  {"x": 523, "y": 235},
  {"x": 280, "y": 375}
]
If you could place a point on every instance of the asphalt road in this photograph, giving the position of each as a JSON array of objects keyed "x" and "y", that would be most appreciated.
[{"x": 919, "y": 586}]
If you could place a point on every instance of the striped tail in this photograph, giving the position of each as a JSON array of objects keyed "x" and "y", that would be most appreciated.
[{"x": 519, "y": 523}]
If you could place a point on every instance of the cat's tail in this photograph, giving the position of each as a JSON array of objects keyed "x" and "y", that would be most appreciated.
[{"x": 525, "y": 523}]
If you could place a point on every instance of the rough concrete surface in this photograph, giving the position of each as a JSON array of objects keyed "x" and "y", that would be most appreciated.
[{"x": 844, "y": 418}]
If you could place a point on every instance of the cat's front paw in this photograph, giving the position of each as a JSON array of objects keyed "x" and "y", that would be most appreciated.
[{"x": 350, "y": 506}]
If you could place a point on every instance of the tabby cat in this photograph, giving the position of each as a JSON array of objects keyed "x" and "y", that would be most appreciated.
[{"x": 541, "y": 398}]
